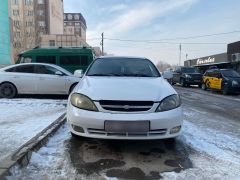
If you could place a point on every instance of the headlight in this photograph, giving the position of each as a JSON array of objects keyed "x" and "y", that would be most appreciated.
[
  {"x": 188, "y": 76},
  {"x": 170, "y": 102},
  {"x": 234, "y": 83},
  {"x": 83, "y": 102}
]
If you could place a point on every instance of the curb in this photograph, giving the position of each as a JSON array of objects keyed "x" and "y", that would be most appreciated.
[{"x": 23, "y": 154}]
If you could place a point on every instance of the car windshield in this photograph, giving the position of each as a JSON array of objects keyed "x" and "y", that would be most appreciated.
[
  {"x": 131, "y": 67},
  {"x": 230, "y": 73},
  {"x": 189, "y": 70}
]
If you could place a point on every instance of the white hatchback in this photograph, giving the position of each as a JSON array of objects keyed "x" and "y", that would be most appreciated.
[
  {"x": 35, "y": 78},
  {"x": 124, "y": 98}
]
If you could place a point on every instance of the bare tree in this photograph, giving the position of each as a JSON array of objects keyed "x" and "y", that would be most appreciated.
[{"x": 162, "y": 66}]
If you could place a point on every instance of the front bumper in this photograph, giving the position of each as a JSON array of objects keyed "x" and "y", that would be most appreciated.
[
  {"x": 92, "y": 123},
  {"x": 191, "y": 81}
]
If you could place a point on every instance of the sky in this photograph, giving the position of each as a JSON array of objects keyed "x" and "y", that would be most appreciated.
[{"x": 164, "y": 21}]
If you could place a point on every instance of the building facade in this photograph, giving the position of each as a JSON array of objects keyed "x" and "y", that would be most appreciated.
[
  {"x": 5, "y": 46},
  {"x": 75, "y": 24},
  {"x": 30, "y": 19},
  {"x": 230, "y": 59}
]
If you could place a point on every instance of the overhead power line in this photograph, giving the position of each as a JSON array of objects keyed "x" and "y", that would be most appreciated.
[{"x": 165, "y": 41}]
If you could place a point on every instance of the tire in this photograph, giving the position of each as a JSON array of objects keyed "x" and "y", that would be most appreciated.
[
  {"x": 71, "y": 88},
  {"x": 8, "y": 90},
  {"x": 171, "y": 82},
  {"x": 204, "y": 87},
  {"x": 225, "y": 91},
  {"x": 182, "y": 82}
]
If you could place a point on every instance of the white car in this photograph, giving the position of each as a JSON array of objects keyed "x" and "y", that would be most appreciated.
[
  {"x": 35, "y": 78},
  {"x": 124, "y": 98}
]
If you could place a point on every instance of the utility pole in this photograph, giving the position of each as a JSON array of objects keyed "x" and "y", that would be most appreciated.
[
  {"x": 102, "y": 44},
  {"x": 186, "y": 56},
  {"x": 180, "y": 53}
]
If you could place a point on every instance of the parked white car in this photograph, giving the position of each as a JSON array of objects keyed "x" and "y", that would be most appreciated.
[
  {"x": 124, "y": 98},
  {"x": 35, "y": 78}
]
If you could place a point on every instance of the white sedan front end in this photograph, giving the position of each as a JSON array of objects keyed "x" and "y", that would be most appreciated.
[{"x": 120, "y": 107}]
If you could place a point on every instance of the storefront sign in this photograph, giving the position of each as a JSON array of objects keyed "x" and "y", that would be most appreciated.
[{"x": 206, "y": 61}]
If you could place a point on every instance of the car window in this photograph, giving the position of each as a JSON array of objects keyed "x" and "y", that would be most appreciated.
[
  {"x": 42, "y": 69},
  {"x": 123, "y": 67},
  {"x": 26, "y": 59},
  {"x": 189, "y": 70},
  {"x": 230, "y": 73},
  {"x": 46, "y": 59},
  {"x": 216, "y": 74},
  {"x": 74, "y": 60},
  {"x": 22, "y": 69}
]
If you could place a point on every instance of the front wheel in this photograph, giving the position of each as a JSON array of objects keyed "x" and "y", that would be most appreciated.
[
  {"x": 204, "y": 87},
  {"x": 8, "y": 90},
  {"x": 225, "y": 91},
  {"x": 182, "y": 82}
]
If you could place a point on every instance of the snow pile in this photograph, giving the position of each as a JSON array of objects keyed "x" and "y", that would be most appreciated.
[
  {"x": 22, "y": 119},
  {"x": 216, "y": 156},
  {"x": 50, "y": 162}
]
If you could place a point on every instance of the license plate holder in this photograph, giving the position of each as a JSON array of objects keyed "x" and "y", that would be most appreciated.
[{"x": 127, "y": 126}]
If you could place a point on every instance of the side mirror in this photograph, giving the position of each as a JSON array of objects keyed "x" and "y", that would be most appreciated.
[
  {"x": 78, "y": 73},
  {"x": 59, "y": 73}
]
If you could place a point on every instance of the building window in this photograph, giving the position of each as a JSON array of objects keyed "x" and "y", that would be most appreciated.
[
  {"x": 29, "y": 34},
  {"x": 69, "y": 16},
  {"x": 15, "y": 12},
  {"x": 77, "y": 24},
  {"x": 29, "y": 23},
  {"x": 17, "y": 44},
  {"x": 17, "y": 34},
  {"x": 51, "y": 43},
  {"x": 65, "y": 24},
  {"x": 41, "y": 23},
  {"x": 76, "y": 17},
  {"x": 15, "y": 2},
  {"x": 65, "y": 17},
  {"x": 16, "y": 23},
  {"x": 41, "y": 12},
  {"x": 40, "y": 1},
  {"x": 29, "y": 13},
  {"x": 28, "y": 2}
]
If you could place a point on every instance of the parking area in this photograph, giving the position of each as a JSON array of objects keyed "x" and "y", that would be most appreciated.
[{"x": 208, "y": 148}]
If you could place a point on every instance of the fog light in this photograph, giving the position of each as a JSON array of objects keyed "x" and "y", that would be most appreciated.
[
  {"x": 175, "y": 130},
  {"x": 78, "y": 129}
]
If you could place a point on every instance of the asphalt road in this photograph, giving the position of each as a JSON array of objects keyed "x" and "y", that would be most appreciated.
[{"x": 216, "y": 115}]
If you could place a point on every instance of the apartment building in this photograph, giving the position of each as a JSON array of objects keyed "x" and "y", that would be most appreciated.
[
  {"x": 30, "y": 19},
  {"x": 75, "y": 24}
]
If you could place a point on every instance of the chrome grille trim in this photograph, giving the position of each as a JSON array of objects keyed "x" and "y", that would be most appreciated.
[
  {"x": 156, "y": 132},
  {"x": 126, "y": 106}
]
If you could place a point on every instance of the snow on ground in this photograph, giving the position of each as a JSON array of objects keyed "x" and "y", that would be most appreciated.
[
  {"x": 50, "y": 162},
  {"x": 22, "y": 119},
  {"x": 216, "y": 155}
]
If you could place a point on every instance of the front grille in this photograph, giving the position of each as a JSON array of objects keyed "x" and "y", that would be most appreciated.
[
  {"x": 196, "y": 76},
  {"x": 126, "y": 106},
  {"x": 102, "y": 132}
]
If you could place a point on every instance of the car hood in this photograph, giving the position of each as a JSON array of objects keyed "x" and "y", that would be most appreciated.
[{"x": 125, "y": 88}]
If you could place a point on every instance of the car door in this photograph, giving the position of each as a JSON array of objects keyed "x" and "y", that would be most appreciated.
[
  {"x": 176, "y": 75},
  {"x": 216, "y": 81},
  {"x": 49, "y": 82},
  {"x": 23, "y": 78}
]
